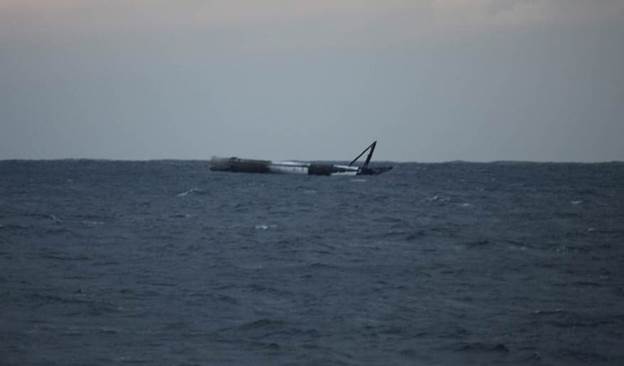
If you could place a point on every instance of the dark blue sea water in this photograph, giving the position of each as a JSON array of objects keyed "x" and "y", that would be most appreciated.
[{"x": 168, "y": 263}]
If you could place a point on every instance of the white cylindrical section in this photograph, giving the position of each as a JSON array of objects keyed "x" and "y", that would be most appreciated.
[
  {"x": 348, "y": 170},
  {"x": 288, "y": 167},
  {"x": 347, "y": 173}
]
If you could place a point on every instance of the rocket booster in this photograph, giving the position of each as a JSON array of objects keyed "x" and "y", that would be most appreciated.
[{"x": 295, "y": 167}]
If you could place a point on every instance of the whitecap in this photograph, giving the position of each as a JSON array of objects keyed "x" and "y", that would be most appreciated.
[
  {"x": 264, "y": 227},
  {"x": 55, "y": 219},
  {"x": 92, "y": 223},
  {"x": 180, "y": 216},
  {"x": 438, "y": 198},
  {"x": 186, "y": 193}
]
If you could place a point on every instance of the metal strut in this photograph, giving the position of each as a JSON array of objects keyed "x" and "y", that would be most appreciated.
[{"x": 370, "y": 147}]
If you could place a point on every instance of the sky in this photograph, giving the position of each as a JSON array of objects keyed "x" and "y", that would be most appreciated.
[{"x": 431, "y": 80}]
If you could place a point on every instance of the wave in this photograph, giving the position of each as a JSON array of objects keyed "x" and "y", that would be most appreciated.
[
  {"x": 483, "y": 347},
  {"x": 262, "y": 324},
  {"x": 192, "y": 191}
]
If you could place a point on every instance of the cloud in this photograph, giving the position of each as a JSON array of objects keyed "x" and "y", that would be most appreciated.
[
  {"x": 235, "y": 27},
  {"x": 76, "y": 18},
  {"x": 487, "y": 13}
]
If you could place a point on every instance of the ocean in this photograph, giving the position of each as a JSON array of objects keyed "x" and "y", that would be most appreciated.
[{"x": 169, "y": 263}]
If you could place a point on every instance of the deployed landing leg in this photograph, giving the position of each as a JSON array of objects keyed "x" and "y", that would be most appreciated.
[
  {"x": 370, "y": 147},
  {"x": 365, "y": 169}
]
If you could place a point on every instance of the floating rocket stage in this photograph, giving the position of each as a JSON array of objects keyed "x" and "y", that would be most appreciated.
[{"x": 295, "y": 167}]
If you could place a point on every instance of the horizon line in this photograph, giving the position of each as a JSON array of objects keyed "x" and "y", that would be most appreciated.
[{"x": 456, "y": 161}]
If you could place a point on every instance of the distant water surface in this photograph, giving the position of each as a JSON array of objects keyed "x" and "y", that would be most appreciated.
[{"x": 167, "y": 263}]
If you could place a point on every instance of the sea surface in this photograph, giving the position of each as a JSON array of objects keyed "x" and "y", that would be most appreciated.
[{"x": 168, "y": 263}]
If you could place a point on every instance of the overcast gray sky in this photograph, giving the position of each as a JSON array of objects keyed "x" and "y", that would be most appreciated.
[{"x": 432, "y": 80}]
